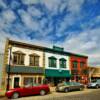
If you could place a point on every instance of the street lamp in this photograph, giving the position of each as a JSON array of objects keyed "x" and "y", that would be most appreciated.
[{"x": 9, "y": 65}]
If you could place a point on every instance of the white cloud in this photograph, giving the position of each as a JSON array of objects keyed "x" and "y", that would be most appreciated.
[
  {"x": 34, "y": 11},
  {"x": 28, "y": 21},
  {"x": 2, "y": 4},
  {"x": 14, "y": 4},
  {"x": 8, "y": 16},
  {"x": 74, "y": 6},
  {"x": 29, "y": 2},
  {"x": 91, "y": 23},
  {"x": 86, "y": 43}
]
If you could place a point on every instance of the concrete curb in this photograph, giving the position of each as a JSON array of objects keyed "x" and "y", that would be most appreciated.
[{"x": 2, "y": 93}]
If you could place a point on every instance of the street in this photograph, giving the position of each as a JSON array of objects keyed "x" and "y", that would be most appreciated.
[{"x": 87, "y": 94}]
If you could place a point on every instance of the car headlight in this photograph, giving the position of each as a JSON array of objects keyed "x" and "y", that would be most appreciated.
[{"x": 60, "y": 88}]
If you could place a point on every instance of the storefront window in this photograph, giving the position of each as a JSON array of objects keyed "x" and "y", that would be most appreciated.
[
  {"x": 39, "y": 80},
  {"x": 28, "y": 81}
]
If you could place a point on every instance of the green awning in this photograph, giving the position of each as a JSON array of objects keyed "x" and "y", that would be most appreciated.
[{"x": 57, "y": 73}]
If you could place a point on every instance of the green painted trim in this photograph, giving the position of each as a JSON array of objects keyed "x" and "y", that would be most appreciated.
[
  {"x": 25, "y": 70},
  {"x": 57, "y": 73}
]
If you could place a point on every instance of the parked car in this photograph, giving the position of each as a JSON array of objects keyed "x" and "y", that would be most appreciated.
[
  {"x": 28, "y": 90},
  {"x": 94, "y": 84},
  {"x": 69, "y": 86}
]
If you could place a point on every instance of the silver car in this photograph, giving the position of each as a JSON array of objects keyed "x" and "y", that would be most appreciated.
[
  {"x": 94, "y": 84},
  {"x": 69, "y": 86}
]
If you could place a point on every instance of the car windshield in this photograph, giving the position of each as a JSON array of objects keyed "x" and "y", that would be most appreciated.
[
  {"x": 93, "y": 81},
  {"x": 66, "y": 83},
  {"x": 72, "y": 83}
]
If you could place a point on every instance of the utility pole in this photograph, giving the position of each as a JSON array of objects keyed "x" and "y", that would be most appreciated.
[{"x": 8, "y": 79}]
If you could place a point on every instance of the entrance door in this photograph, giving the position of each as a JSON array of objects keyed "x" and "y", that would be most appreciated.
[
  {"x": 16, "y": 82},
  {"x": 56, "y": 81}
]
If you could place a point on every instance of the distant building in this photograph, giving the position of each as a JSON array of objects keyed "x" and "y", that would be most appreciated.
[
  {"x": 94, "y": 73},
  {"x": 30, "y": 64}
]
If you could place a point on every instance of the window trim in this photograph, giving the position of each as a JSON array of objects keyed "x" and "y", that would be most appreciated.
[
  {"x": 20, "y": 57},
  {"x": 54, "y": 60},
  {"x": 64, "y": 63},
  {"x": 74, "y": 67},
  {"x": 34, "y": 56}
]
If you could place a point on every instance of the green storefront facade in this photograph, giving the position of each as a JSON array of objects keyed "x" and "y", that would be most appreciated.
[{"x": 57, "y": 75}]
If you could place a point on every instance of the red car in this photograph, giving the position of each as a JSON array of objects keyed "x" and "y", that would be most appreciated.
[{"x": 26, "y": 91}]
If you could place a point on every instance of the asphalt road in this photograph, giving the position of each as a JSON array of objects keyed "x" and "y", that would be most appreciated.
[{"x": 88, "y": 94}]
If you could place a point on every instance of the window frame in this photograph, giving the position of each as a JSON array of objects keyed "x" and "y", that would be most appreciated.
[
  {"x": 75, "y": 64},
  {"x": 20, "y": 58},
  {"x": 82, "y": 64},
  {"x": 34, "y": 57},
  {"x": 62, "y": 63},
  {"x": 52, "y": 62}
]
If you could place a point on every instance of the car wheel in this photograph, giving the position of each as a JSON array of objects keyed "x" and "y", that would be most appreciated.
[
  {"x": 97, "y": 86},
  {"x": 66, "y": 90},
  {"x": 42, "y": 92},
  {"x": 15, "y": 95}
]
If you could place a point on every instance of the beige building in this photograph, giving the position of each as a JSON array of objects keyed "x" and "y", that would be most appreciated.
[
  {"x": 26, "y": 64},
  {"x": 94, "y": 72}
]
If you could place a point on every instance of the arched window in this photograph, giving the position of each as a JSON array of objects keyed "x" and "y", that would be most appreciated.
[
  {"x": 52, "y": 61},
  {"x": 34, "y": 59},
  {"x": 62, "y": 63},
  {"x": 18, "y": 58}
]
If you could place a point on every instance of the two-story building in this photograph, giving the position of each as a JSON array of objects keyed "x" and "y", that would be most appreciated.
[
  {"x": 79, "y": 68},
  {"x": 56, "y": 65},
  {"x": 26, "y": 64},
  {"x": 23, "y": 63}
]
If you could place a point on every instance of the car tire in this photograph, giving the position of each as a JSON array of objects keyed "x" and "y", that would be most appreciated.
[
  {"x": 42, "y": 92},
  {"x": 66, "y": 90},
  {"x": 15, "y": 95}
]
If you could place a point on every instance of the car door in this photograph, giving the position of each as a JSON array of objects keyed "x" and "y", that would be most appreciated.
[
  {"x": 26, "y": 91},
  {"x": 71, "y": 87},
  {"x": 76, "y": 85},
  {"x": 35, "y": 90}
]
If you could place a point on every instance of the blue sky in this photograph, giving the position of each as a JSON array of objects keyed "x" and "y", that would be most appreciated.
[{"x": 72, "y": 24}]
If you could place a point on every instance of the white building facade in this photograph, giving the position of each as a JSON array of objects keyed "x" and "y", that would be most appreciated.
[{"x": 57, "y": 66}]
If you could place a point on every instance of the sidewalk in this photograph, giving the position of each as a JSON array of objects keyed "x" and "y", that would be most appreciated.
[
  {"x": 2, "y": 93},
  {"x": 52, "y": 89}
]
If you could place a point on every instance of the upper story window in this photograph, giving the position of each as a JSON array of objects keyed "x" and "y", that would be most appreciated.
[
  {"x": 52, "y": 62},
  {"x": 75, "y": 64},
  {"x": 62, "y": 63},
  {"x": 82, "y": 64},
  {"x": 18, "y": 58},
  {"x": 34, "y": 60}
]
